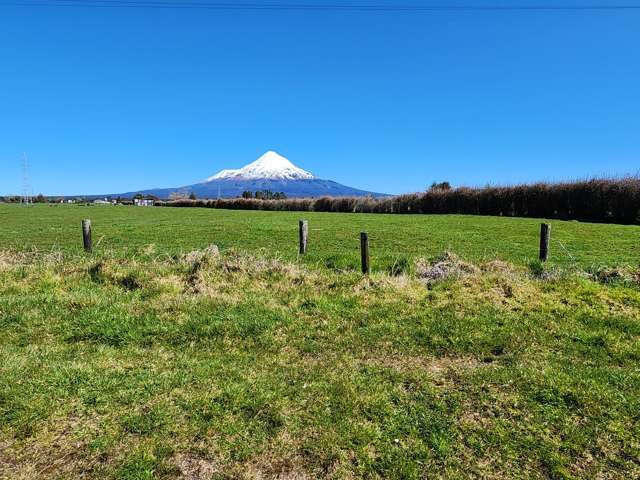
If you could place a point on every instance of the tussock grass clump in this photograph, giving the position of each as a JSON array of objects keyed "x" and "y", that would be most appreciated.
[
  {"x": 447, "y": 266},
  {"x": 499, "y": 266},
  {"x": 13, "y": 258},
  {"x": 196, "y": 258},
  {"x": 238, "y": 365},
  {"x": 617, "y": 274},
  {"x": 8, "y": 259}
]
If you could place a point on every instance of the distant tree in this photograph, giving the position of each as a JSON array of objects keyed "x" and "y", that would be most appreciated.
[
  {"x": 192, "y": 196},
  {"x": 440, "y": 186},
  {"x": 40, "y": 199},
  {"x": 247, "y": 194},
  {"x": 269, "y": 195}
]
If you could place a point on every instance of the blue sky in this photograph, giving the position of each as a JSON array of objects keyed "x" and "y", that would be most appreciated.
[{"x": 111, "y": 100}]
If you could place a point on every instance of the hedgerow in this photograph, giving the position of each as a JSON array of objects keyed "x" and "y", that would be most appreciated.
[{"x": 596, "y": 200}]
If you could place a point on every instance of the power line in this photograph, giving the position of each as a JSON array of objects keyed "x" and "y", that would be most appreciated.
[
  {"x": 26, "y": 197},
  {"x": 286, "y": 6}
]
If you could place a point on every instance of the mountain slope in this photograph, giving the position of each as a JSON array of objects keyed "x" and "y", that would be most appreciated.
[{"x": 270, "y": 172}]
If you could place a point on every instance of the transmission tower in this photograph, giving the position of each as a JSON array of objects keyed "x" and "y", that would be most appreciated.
[{"x": 25, "y": 199}]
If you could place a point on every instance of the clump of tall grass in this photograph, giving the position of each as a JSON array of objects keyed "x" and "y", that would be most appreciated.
[
  {"x": 447, "y": 266},
  {"x": 596, "y": 200}
]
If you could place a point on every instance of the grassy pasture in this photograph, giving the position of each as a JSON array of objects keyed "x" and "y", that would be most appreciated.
[
  {"x": 131, "y": 364},
  {"x": 334, "y": 240}
]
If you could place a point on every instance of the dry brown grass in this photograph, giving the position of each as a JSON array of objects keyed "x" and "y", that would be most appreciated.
[
  {"x": 196, "y": 258},
  {"x": 59, "y": 450},
  {"x": 193, "y": 467},
  {"x": 448, "y": 266}
]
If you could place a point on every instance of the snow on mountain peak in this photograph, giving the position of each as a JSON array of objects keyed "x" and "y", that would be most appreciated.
[{"x": 270, "y": 166}]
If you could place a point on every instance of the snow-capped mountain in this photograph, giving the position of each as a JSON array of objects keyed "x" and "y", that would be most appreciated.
[
  {"x": 269, "y": 172},
  {"x": 271, "y": 165}
]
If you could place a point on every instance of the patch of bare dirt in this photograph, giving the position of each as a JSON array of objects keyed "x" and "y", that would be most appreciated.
[
  {"x": 276, "y": 469},
  {"x": 195, "y": 468},
  {"x": 436, "y": 366}
]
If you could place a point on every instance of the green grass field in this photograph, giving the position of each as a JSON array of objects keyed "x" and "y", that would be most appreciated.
[
  {"x": 334, "y": 237},
  {"x": 149, "y": 360}
]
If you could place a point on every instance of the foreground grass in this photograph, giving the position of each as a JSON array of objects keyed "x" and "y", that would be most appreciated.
[
  {"x": 145, "y": 366},
  {"x": 333, "y": 237}
]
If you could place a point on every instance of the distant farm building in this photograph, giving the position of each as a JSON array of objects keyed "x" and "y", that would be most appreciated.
[{"x": 143, "y": 202}]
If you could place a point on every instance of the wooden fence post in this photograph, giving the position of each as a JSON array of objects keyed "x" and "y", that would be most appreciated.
[
  {"x": 364, "y": 252},
  {"x": 86, "y": 235},
  {"x": 545, "y": 235},
  {"x": 304, "y": 233}
]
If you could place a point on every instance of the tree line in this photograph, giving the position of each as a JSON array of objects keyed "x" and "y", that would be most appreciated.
[{"x": 596, "y": 200}]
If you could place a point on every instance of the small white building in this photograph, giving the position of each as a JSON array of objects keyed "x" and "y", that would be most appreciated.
[{"x": 143, "y": 202}]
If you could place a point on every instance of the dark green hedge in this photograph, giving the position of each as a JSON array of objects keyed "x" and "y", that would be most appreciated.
[{"x": 598, "y": 200}]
